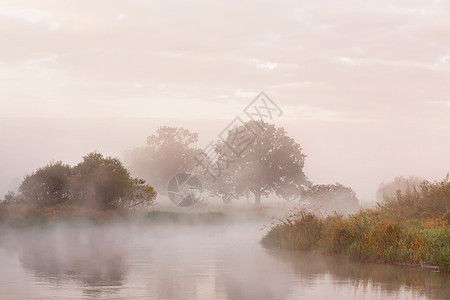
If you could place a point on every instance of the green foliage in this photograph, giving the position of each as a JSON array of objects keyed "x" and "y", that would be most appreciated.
[
  {"x": 208, "y": 218},
  {"x": 411, "y": 228},
  {"x": 168, "y": 152},
  {"x": 23, "y": 215},
  {"x": 426, "y": 201},
  {"x": 101, "y": 182},
  {"x": 98, "y": 182},
  {"x": 12, "y": 197},
  {"x": 398, "y": 184},
  {"x": 300, "y": 231},
  {"x": 335, "y": 197},
  {"x": 272, "y": 164},
  {"x": 48, "y": 185}
]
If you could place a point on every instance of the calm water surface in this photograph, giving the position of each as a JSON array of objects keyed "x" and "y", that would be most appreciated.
[{"x": 190, "y": 262}]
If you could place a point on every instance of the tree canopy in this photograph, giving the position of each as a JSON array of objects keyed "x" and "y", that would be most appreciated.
[
  {"x": 97, "y": 181},
  {"x": 271, "y": 163},
  {"x": 48, "y": 185},
  {"x": 171, "y": 150},
  {"x": 336, "y": 197}
]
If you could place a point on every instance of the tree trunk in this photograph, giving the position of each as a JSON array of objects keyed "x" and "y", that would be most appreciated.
[{"x": 257, "y": 198}]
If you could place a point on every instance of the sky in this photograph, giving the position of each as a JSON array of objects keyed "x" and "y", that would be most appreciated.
[{"x": 364, "y": 85}]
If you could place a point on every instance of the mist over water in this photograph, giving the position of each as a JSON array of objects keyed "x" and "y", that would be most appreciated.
[
  {"x": 221, "y": 261},
  {"x": 106, "y": 106}
]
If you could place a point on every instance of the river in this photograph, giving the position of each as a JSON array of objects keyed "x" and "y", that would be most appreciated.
[{"x": 132, "y": 261}]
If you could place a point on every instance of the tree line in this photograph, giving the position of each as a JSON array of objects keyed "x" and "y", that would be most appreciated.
[
  {"x": 97, "y": 181},
  {"x": 255, "y": 159},
  {"x": 272, "y": 164}
]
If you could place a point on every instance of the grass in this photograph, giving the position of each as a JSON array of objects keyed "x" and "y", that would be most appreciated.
[
  {"x": 25, "y": 215},
  {"x": 187, "y": 218},
  {"x": 410, "y": 228}
]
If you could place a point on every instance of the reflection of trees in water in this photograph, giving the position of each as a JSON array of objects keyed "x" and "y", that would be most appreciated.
[
  {"x": 175, "y": 284},
  {"x": 174, "y": 268},
  {"x": 386, "y": 278},
  {"x": 208, "y": 263},
  {"x": 250, "y": 274},
  {"x": 94, "y": 257},
  {"x": 198, "y": 263}
]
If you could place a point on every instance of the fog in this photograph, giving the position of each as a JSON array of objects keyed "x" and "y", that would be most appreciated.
[
  {"x": 84, "y": 76},
  {"x": 362, "y": 87},
  {"x": 129, "y": 260},
  {"x": 357, "y": 156},
  {"x": 167, "y": 262}
]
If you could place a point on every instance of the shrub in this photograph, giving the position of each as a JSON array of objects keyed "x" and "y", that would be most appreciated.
[{"x": 97, "y": 182}]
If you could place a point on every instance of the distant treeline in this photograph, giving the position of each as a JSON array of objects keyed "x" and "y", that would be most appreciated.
[
  {"x": 252, "y": 160},
  {"x": 255, "y": 159}
]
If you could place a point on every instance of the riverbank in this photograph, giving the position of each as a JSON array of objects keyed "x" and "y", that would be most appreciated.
[
  {"x": 19, "y": 215},
  {"x": 27, "y": 215},
  {"x": 410, "y": 229},
  {"x": 24, "y": 215}
]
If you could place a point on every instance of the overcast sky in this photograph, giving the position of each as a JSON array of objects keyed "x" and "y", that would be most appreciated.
[{"x": 364, "y": 85}]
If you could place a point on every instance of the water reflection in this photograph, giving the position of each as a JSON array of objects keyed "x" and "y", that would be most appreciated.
[
  {"x": 210, "y": 263},
  {"x": 373, "y": 278},
  {"x": 126, "y": 261},
  {"x": 251, "y": 274},
  {"x": 95, "y": 258}
]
